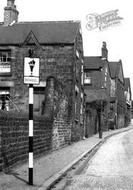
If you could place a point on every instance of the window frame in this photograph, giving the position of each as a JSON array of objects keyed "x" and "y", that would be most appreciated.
[
  {"x": 5, "y": 62},
  {"x": 86, "y": 78}
]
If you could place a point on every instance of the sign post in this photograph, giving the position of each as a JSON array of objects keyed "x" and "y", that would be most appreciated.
[
  {"x": 31, "y": 76},
  {"x": 30, "y": 134}
]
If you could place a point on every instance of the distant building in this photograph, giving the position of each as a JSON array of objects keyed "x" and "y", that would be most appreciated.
[
  {"x": 132, "y": 110},
  {"x": 117, "y": 101},
  {"x": 128, "y": 99},
  {"x": 97, "y": 91}
]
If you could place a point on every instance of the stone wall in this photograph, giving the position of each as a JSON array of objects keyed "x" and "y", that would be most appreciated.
[
  {"x": 48, "y": 136},
  {"x": 78, "y": 90},
  {"x": 121, "y": 104},
  {"x": 1, "y": 162},
  {"x": 127, "y": 115},
  {"x": 52, "y": 130},
  {"x": 57, "y": 108},
  {"x": 14, "y": 139},
  {"x": 56, "y": 61}
]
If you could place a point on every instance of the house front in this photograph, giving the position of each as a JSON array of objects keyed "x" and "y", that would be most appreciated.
[
  {"x": 117, "y": 99},
  {"x": 97, "y": 90},
  {"x": 59, "y": 48},
  {"x": 128, "y": 99}
]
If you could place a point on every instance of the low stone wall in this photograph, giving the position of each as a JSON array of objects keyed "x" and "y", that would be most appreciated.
[
  {"x": 14, "y": 139},
  {"x": 52, "y": 130},
  {"x": 49, "y": 134},
  {"x": 1, "y": 162}
]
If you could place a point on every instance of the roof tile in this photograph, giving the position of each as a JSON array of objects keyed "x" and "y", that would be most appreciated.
[
  {"x": 114, "y": 68},
  {"x": 95, "y": 62}
]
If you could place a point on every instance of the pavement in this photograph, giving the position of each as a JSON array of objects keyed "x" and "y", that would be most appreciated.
[{"x": 49, "y": 168}]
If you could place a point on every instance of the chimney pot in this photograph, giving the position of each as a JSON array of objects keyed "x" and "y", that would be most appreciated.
[
  {"x": 104, "y": 51},
  {"x": 10, "y": 13}
]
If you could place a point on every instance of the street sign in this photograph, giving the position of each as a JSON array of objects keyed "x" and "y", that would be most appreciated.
[{"x": 31, "y": 70}]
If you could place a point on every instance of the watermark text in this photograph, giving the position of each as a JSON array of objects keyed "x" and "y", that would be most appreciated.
[{"x": 103, "y": 21}]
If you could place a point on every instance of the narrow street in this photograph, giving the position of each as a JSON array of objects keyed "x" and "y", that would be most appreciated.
[{"x": 111, "y": 168}]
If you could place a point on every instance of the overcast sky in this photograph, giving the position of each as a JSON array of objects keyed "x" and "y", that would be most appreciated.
[{"x": 119, "y": 38}]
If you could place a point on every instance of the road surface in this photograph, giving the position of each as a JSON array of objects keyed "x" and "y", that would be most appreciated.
[{"x": 110, "y": 169}]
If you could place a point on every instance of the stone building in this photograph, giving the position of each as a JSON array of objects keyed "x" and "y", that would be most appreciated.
[
  {"x": 117, "y": 100},
  {"x": 97, "y": 92},
  {"x": 128, "y": 99},
  {"x": 58, "y": 45},
  {"x": 132, "y": 112}
]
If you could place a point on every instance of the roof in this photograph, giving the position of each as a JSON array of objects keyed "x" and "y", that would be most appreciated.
[
  {"x": 95, "y": 62},
  {"x": 45, "y": 32},
  {"x": 114, "y": 69}
]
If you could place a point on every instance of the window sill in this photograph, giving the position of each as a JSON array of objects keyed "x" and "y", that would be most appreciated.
[{"x": 6, "y": 74}]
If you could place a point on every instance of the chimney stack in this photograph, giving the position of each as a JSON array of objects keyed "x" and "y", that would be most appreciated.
[
  {"x": 10, "y": 13},
  {"x": 104, "y": 51}
]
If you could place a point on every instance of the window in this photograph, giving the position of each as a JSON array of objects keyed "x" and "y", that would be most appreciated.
[
  {"x": 4, "y": 98},
  {"x": 5, "y": 56},
  {"x": 5, "y": 61},
  {"x": 87, "y": 79}
]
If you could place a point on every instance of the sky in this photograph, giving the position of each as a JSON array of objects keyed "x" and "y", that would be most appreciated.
[{"x": 119, "y": 38}]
